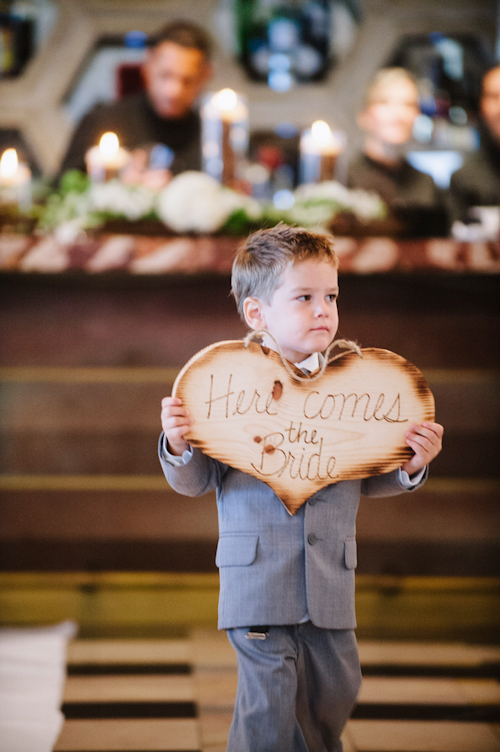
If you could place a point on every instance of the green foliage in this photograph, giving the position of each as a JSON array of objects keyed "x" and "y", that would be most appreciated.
[
  {"x": 238, "y": 224},
  {"x": 74, "y": 181}
]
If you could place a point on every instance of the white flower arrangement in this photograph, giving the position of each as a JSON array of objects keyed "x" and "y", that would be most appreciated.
[
  {"x": 196, "y": 202},
  {"x": 132, "y": 202},
  {"x": 317, "y": 203},
  {"x": 80, "y": 205}
]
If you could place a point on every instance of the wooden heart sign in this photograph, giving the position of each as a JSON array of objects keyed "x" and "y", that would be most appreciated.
[{"x": 299, "y": 436}]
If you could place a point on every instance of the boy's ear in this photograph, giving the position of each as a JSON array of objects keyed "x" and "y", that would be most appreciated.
[{"x": 254, "y": 315}]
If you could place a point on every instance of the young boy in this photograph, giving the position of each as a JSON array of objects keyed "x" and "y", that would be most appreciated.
[{"x": 287, "y": 582}]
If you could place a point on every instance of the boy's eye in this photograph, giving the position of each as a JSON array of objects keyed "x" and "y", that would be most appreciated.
[
  {"x": 332, "y": 297},
  {"x": 304, "y": 297}
]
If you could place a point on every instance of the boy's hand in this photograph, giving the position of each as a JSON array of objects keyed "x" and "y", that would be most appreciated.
[
  {"x": 425, "y": 440},
  {"x": 176, "y": 422}
]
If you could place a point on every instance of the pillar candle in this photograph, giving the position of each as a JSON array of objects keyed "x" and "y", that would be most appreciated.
[
  {"x": 319, "y": 149},
  {"x": 15, "y": 181},
  {"x": 224, "y": 135},
  {"x": 105, "y": 161}
]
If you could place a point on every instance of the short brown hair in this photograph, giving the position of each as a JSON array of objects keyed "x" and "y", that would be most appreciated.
[
  {"x": 185, "y": 34},
  {"x": 266, "y": 254}
]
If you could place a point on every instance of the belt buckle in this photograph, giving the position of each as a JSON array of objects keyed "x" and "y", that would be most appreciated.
[{"x": 257, "y": 633}]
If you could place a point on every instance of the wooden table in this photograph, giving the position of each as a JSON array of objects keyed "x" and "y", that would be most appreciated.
[{"x": 146, "y": 255}]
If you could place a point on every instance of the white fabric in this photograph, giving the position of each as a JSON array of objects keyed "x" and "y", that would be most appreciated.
[
  {"x": 32, "y": 675},
  {"x": 311, "y": 363}
]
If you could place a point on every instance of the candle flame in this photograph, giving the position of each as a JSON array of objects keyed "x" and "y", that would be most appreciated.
[
  {"x": 226, "y": 99},
  {"x": 9, "y": 163},
  {"x": 321, "y": 132},
  {"x": 109, "y": 145}
]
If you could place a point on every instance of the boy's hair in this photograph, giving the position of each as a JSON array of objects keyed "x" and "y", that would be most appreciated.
[{"x": 266, "y": 254}]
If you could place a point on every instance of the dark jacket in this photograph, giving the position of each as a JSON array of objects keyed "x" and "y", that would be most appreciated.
[
  {"x": 477, "y": 182},
  {"x": 412, "y": 197},
  {"x": 136, "y": 124}
]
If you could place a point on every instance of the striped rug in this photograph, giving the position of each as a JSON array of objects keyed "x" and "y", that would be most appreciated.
[{"x": 177, "y": 695}]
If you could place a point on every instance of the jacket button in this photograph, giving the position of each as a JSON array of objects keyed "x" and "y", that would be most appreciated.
[{"x": 312, "y": 538}]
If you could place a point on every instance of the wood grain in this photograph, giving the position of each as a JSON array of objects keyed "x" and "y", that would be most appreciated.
[{"x": 299, "y": 436}]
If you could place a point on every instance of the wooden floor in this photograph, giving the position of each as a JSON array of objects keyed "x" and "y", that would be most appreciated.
[{"x": 178, "y": 694}]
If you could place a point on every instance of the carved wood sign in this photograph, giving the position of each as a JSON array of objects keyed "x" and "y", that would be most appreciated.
[{"x": 299, "y": 436}]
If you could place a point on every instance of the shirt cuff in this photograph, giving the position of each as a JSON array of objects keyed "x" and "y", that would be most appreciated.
[
  {"x": 408, "y": 482},
  {"x": 174, "y": 459}
]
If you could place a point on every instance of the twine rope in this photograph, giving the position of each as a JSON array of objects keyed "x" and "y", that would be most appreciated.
[{"x": 346, "y": 343}]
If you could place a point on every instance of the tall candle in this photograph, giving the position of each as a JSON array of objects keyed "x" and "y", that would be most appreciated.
[
  {"x": 105, "y": 161},
  {"x": 224, "y": 135},
  {"x": 15, "y": 181},
  {"x": 319, "y": 149}
]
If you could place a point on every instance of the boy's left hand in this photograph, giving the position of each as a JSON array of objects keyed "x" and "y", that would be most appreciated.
[{"x": 425, "y": 440}]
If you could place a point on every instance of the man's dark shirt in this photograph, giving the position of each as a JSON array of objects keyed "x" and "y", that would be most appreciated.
[
  {"x": 136, "y": 124},
  {"x": 412, "y": 197},
  {"x": 477, "y": 182}
]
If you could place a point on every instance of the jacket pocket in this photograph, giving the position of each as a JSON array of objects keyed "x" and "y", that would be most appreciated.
[
  {"x": 350, "y": 554},
  {"x": 236, "y": 550}
]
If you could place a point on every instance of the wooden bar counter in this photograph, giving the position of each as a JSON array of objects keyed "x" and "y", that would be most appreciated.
[{"x": 94, "y": 333}]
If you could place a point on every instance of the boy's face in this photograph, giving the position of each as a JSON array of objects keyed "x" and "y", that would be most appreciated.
[{"x": 302, "y": 315}]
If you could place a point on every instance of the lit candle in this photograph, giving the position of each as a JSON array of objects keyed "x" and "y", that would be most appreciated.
[
  {"x": 224, "y": 135},
  {"x": 15, "y": 181},
  {"x": 319, "y": 149},
  {"x": 105, "y": 161}
]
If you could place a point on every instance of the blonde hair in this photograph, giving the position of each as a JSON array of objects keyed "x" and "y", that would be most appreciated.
[
  {"x": 260, "y": 263},
  {"x": 386, "y": 77}
]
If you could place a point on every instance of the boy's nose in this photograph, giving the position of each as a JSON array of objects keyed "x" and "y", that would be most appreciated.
[{"x": 321, "y": 309}]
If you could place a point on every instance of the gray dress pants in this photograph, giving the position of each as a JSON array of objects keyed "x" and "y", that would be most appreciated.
[{"x": 296, "y": 689}]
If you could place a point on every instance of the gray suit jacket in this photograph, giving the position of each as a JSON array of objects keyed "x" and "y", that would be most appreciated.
[{"x": 275, "y": 568}]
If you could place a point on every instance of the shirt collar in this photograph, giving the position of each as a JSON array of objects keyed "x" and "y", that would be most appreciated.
[{"x": 311, "y": 363}]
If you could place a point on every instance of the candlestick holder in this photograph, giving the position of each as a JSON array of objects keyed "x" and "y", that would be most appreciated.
[
  {"x": 224, "y": 135},
  {"x": 319, "y": 149}
]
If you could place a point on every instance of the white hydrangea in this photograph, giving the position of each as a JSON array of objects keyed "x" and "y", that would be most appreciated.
[
  {"x": 364, "y": 204},
  {"x": 328, "y": 190},
  {"x": 196, "y": 202},
  {"x": 367, "y": 204},
  {"x": 115, "y": 197},
  {"x": 318, "y": 216}
]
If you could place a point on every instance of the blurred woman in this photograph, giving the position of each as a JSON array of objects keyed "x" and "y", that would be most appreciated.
[{"x": 392, "y": 105}]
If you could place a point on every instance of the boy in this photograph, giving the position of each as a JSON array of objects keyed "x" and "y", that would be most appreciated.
[{"x": 287, "y": 582}]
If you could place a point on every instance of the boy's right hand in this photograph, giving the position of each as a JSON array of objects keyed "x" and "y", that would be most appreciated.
[{"x": 176, "y": 422}]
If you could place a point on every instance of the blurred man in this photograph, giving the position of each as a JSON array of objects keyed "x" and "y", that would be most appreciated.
[
  {"x": 477, "y": 183},
  {"x": 392, "y": 105},
  {"x": 174, "y": 73}
]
